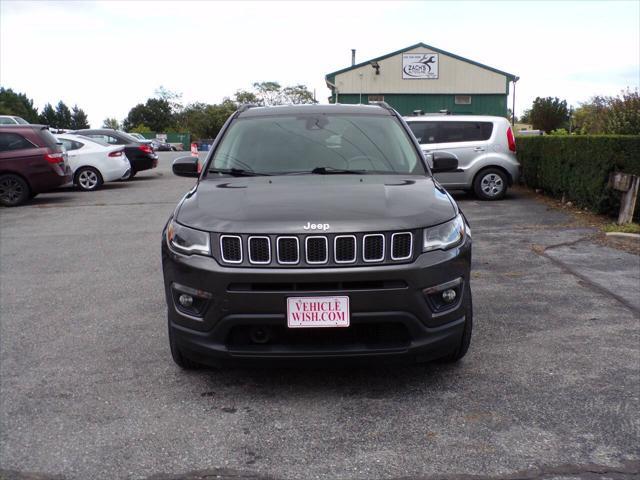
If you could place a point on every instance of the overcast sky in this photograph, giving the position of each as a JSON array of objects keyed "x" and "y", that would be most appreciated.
[{"x": 108, "y": 56}]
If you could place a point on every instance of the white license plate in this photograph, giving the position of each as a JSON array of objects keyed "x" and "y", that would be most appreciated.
[{"x": 309, "y": 312}]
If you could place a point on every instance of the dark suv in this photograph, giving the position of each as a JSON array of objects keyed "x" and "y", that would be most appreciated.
[
  {"x": 31, "y": 162},
  {"x": 139, "y": 152},
  {"x": 316, "y": 232}
]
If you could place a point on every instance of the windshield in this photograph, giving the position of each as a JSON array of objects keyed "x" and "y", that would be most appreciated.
[
  {"x": 304, "y": 143},
  {"x": 21, "y": 121}
]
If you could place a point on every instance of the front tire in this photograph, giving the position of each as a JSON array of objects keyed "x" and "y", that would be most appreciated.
[
  {"x": 490, "y": 184},
  {"x": 14, "y": 190},
  {"x": 462, "y": 349},
  {"x": 88, "y": 179}
]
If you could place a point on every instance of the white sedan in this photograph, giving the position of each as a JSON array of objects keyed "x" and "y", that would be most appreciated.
[{"x": 94, "y": 162}]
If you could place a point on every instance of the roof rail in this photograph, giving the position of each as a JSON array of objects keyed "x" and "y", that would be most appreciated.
[
  {"x": 383, "y": 104},
  {"x": 246, "y": 106}
]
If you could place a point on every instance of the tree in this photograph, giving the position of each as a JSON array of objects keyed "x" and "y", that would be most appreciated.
[
  {"x": 141, "y": 128},
  {"x": 624, "y": 114},
  {"x": 269, "y": 93},
  {"x": 12, "y": 103},
  {"x": 111, "y": 123},
  {"x": 174, "y": 99},
  {"x": 156, "y": 114},
  {"x": 63, "y": 115},
  {"x": 526, "y": 116},
  {"x": 244, "y": 96},
  {"x": 48, "y": 116},
  {"x": 549, "y": 113},
  {"x": 203, "y": 120},
  {"x": 590, "y": 117},
  {"x": 272, "y": 93},
  {"x": 79, "y": 119},
  {"x": 297, "y": 94}
]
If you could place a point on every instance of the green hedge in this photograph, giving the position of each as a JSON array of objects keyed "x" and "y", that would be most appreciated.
[{"x": 578, "y": 167}]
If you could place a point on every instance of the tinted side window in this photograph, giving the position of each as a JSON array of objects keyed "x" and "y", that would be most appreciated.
[
  {"x": 111, "y": 140},
  {"x": 102, "y": 138},
  {"x": 464, "y": 131},
  {"x": 13, "y": 141},
  {"x": 70, "y": 144},
  {"x": 49, "y": 140},
  {"x": 425, "y": 132},
  {"x": 6, "y": 121}
]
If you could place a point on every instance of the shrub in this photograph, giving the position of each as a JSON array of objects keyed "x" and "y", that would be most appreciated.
[{"x": 578, "y": 167}]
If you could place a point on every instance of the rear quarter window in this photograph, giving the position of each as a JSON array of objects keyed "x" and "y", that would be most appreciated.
[
  {"x": 465, "y": 131},
  {"x": 49, "y": 140},
  {"x": 451, "y": 132},
  {"x": 13, "y": 141},
  {"x": 425, "y": 132}
]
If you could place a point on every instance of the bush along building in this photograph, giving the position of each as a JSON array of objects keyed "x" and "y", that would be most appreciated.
[{"x": 423, "y": 78}]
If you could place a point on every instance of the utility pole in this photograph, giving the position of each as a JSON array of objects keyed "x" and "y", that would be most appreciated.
[{"x": 513, "y": 105}]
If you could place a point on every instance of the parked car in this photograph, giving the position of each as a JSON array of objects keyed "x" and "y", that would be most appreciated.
[
  {"x": 31, "y": 162},
  {"x": 94, "y": 162},
  {"x": 139, "y": 136},
  {"x": 12, "y": 120},
  {"x": 140, "y": 154},
  {"x": 161, "y": 146},
  {"x": 316, "y": 232},
  {"x": 484, "y": 146}
]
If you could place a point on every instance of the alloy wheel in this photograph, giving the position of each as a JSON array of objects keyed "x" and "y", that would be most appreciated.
[
  {"x": 11, "y": 190},
  {"x": 492, "y": 185},
  {"x": 88, "y": 179}
]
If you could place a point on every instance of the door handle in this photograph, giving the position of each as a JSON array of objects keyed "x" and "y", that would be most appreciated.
[{"x": 478, "y": 149}]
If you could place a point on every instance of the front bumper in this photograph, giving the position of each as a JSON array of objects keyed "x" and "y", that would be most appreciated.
[{"x": 390, "y": 317}]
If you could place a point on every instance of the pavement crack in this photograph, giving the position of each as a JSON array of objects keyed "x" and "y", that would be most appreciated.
[{"x": 542, "y": 251}]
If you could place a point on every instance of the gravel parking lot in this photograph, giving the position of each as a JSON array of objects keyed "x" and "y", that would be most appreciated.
[{"x": 550, "y": 386}]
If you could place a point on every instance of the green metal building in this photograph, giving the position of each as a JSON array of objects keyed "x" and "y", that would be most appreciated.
[{"x": 425, "y": 78}]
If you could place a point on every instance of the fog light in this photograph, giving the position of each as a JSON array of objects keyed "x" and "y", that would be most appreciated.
[
  {"x": 185, "y": 300},
  {"x": 449, "y": 295}
]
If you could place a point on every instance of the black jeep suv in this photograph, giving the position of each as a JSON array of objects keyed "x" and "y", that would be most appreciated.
[{"x": 316, "y": 232}]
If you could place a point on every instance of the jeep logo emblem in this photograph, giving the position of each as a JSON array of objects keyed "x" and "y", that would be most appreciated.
[{"x": 316, "y": 226}]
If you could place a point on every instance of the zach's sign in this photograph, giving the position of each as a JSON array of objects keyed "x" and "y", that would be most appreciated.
[{"x": 419, "y": 65}]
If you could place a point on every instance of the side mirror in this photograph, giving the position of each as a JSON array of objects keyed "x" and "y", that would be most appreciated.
[
  {"x": 185, "y": 167},
  {"x": 444, "y": 162}
]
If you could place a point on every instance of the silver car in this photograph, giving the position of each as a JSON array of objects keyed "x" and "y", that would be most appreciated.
[{"x": 484, "y": 146}]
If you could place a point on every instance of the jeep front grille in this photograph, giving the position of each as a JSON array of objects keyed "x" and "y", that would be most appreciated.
[
  {"x": 288, "y": 250},
  {"x": 401, "y": 246},
  {"x": 373, "y": 248},
  {"x": 339, "y": 250},
  {"x": 259, "y": 250},
  {"x": 231, "y": 247},
  {"x": 344, "y": 248},
  {"x": 317, "y": 250}
]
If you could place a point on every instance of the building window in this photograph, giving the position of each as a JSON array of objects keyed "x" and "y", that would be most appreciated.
[
  {"x": 376, "y": 98},
  {"x": 463, "y": 100}
]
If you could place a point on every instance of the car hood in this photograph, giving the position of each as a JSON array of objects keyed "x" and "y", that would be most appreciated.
[{"x": 285, "y": 204}]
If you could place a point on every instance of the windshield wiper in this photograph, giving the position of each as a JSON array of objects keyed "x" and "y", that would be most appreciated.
[
  {"x": 331, "y": 170},
  {"x": 237, "y": 172}
]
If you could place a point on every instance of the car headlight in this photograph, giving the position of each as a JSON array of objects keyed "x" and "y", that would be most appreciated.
[
  {"x": 186, "y": 240},
  {"x": 442, "y": 237}
]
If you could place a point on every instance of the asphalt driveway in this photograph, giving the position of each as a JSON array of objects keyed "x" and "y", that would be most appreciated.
[{"x": 551, "y": 385}]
